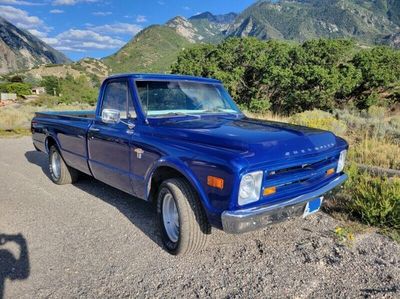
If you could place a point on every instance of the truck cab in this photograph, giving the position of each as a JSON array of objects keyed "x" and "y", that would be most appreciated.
[{"x": 182, "y": 143}]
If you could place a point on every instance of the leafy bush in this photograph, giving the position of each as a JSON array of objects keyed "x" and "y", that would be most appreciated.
[
  {"x": 376, "y": 200},
  {"x": 51, "y": 85},
  {"x": 319, "y": 119},
  {"x": 373, "y": 200},
  {"x": 20, "y": 89},
  {"x": 71, "y": 90}
]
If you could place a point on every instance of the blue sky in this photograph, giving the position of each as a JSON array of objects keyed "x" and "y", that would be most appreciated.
[{"x": 97, "y": 28}]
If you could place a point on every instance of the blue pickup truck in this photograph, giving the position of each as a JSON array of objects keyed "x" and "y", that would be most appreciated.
[{"x": 182, "y": 143}]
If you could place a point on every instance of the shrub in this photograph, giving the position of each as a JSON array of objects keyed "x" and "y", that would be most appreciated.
[
  {"x": 20, "y": 89},
  {"x": 376, "y": 201},
  {"x": 395, "y": 123},
  {"x": 368, "y": 123},
  {"x": 319, "y": 119},
  {"x": 373, "y": 200},
  {"x": 259, "y": 106}
]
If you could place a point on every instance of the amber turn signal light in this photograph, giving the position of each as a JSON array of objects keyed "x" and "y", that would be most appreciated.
[
  {"x": 330, "y": 171},
  {"x": 269, "y": 191},
  {"x": 215, "y": 182}
]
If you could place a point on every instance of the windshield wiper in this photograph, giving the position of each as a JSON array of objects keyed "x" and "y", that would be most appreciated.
[
  {"x": 171, "y": 114},
  {"x": 219, "y": 110}
]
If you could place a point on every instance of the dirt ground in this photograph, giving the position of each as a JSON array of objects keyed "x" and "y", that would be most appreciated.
[{"x": 90, "y": 240}]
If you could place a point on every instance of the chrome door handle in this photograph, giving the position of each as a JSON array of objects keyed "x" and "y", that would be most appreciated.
[{"x": 94, "y": 130}]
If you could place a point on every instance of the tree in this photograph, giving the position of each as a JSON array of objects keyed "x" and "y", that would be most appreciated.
[{"x": 51, "y": 85}]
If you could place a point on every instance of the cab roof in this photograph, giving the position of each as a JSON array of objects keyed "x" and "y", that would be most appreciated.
[{"x": 164, "y": 77}]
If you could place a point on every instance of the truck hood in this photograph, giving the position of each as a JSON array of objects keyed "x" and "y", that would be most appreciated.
[{"x": 254, "y": 138}]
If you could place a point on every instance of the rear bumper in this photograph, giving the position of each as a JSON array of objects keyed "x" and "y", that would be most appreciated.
[{"x": 245, "y": 220}]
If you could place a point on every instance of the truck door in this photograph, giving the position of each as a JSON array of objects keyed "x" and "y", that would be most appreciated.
[{"x": 109, "y": 144}]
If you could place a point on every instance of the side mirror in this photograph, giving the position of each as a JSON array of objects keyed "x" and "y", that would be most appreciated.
[{"x": 110, "y": 116}]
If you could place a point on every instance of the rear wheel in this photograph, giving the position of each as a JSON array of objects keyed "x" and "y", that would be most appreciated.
[
  {"x": 182, "y": 221},
  {"x": 60, "y": 173}
]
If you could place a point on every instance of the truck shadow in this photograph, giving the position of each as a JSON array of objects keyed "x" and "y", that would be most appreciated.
[
  {"x": 13, "y": 266},
  {"x": 140, "y": 213}
]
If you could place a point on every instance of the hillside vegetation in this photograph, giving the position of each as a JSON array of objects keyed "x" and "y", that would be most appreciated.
[
  {"x": 287, "y": 78},
  {"x": 300, "y": 20},
  {"x": 152, "y": 50}
]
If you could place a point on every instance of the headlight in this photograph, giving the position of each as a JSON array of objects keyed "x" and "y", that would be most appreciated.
[
  {"x": 342, "y": 161},
  {"x": 250, "y": 187}
]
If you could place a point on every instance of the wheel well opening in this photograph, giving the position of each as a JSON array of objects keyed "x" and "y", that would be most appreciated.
[
  {"x": 161, "y": 174},
  {"x": 50, "y": 141}
]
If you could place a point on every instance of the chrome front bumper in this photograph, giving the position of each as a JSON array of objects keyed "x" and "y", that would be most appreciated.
[{"x": 245, "y": 220}]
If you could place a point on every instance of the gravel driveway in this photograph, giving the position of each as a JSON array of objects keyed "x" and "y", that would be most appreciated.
[{"x": 90, "y": 240}]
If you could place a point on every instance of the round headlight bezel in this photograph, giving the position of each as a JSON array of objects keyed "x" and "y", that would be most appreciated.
[
  {"x": 250, "y": 188},
  {"x": 341, "y": 161}
]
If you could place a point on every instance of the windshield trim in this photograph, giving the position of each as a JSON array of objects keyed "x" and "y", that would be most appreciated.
[{"x": 199, "y": 81}]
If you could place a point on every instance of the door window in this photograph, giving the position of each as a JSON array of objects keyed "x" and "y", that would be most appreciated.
[{"x": 117, "y": 96}]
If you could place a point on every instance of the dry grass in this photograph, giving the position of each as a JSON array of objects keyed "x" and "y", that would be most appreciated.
[
  {"x": 16, "y": 119},
  {"x": 267, "y": 116},
  {"x": 382, "y": 152}
]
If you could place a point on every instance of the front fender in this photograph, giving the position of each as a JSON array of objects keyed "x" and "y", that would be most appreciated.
[{"x": 181, "y": 167}]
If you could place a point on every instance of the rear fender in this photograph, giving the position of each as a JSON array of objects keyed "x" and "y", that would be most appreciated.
[{"x": 49, "y": 137}]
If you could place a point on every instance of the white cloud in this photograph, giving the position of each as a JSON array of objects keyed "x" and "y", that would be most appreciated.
[
  {"x": 20, "y": 18},
  {"x": 186, "y": 8},
  {"x": 37, "y": 33},
  {"x": 56, "y": 11},
  {"x": 102, "y": 13},
  {"x": 72, "y": 2},
  {"x": 20, "y": 2},
  {"x": 82, "y": 40},
  {"x": 50, "y": 40},
  {"x": 117, "y": 28},
  {"x": 141, "y": 19}
]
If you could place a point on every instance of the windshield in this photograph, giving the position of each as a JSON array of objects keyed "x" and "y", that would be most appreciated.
[{"x": 169, "y": 98}]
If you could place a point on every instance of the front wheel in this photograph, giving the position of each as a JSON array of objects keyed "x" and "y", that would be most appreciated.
[
  {"x": 182, "y": 221},
  {"x": 60, "y": 173}
]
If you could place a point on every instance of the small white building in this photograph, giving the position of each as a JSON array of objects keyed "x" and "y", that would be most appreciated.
[
  {"x": 38, "y": 90},
  {"x": 8, "y": 96}
]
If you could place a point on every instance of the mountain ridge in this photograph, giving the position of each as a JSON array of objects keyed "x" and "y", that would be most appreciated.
[{"x": 20, "y": 49}]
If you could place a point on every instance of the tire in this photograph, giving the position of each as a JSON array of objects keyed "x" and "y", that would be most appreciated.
[
  {"x": 60, "y": 173},
  {"x": 36, "y": 148},
  {"x": 189, "y": 234}
]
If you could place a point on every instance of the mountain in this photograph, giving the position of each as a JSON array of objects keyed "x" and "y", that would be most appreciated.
[
  {"x": 95, "y": 70},
  {"x": 153, "y": 50},
  {"x": 301, "y": 20},
  {"x": 21, "y": 50},
  {"x": 367, "y": 21},
  {"x": 392, "y": 40},
  {"x": 204, "y": 27}
]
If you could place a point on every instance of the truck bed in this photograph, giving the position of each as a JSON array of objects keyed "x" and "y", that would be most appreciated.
[{"x": 70, "y": 129}]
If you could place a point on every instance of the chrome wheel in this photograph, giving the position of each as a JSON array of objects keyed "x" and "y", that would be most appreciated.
[
  {"x": 170, "y": 217},
  {"x": 56, "y": 164}
]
